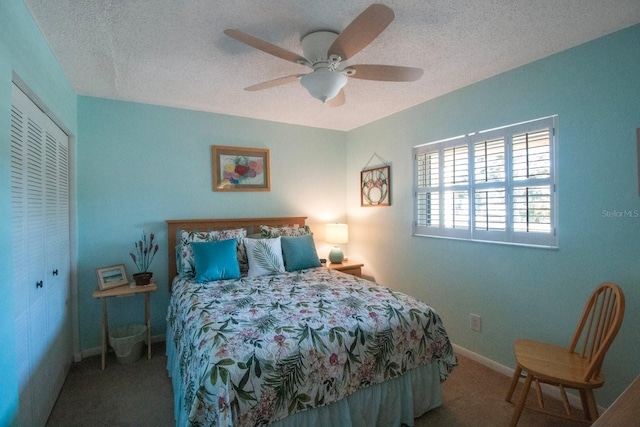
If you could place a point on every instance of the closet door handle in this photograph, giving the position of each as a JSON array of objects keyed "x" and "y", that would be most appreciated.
[
  {"x": 55, "y": 272},
  {"x": 39, "y": 284}
]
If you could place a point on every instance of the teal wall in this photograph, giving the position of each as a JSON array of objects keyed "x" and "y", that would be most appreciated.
[
  {"x": 24, "y": 51},
  {"x": 139, "y": 165},
  {"x": 520, "y": 291}
]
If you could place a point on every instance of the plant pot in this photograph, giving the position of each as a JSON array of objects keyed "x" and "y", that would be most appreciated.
[{"x": 142, "y": 279}]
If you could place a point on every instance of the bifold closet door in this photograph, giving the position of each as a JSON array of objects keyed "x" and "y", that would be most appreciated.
[{"x": 40, "y": 257}]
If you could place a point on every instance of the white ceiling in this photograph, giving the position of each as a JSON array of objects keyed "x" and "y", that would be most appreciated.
[{"x": 174, "y": 52}]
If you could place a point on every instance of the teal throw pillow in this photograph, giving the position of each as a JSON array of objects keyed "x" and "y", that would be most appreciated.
[
  {"x": 299, "y": 253},
  {"x": 215, "y": 260}
]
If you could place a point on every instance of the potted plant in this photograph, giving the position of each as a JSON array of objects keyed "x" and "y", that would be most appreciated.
[{"x": 145, "y": 252}]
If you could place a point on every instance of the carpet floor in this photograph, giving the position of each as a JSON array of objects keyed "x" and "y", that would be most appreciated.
[{"x": 140, "y": 394}]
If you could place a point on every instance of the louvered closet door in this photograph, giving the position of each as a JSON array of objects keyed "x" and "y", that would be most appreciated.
[
  {"x": 57, "y": 272},
  {"x": 40, "y": 255},
  {"x": 20, "y": 255}
]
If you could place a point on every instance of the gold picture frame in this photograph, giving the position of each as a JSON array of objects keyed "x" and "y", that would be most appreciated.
[
  {"x": 375, "y": 187},
  {"x": 112, "y": 276},
  {"x": 240, "y": 169}
]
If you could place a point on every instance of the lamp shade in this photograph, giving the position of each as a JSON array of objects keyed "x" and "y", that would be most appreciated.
[
  {"x": 337, "y": 233},
  {"x": 323, "y": 83}
]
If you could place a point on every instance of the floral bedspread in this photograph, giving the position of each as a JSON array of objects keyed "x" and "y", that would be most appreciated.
[{"x": 254, "y": 350}]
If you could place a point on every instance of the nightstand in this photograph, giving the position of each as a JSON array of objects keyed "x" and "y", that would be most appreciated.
[
  {"x": 348, "y": 267},
  {"x": 123, "y": 291}
]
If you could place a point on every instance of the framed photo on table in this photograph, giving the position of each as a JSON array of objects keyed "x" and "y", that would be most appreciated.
[
  {"x": 240, "y": 169},
  {"x": 112, "y": 276}
]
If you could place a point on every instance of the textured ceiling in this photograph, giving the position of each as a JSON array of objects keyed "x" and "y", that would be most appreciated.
[{"x": 174, "y": 52}]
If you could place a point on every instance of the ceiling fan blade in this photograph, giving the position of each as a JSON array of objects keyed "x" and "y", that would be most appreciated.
[
  {"x": 275, "y": 82},
  {"x": 362, "y": 31},
  {"x": 337, "y": 100},
  {"x": 386, "y": 73},
  {"x": 265, "y": 46}
]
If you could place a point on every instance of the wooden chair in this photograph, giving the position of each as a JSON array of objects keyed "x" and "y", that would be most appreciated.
[{"x": 576, "y": 367}]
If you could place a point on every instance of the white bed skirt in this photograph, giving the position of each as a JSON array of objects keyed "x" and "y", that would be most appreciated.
[{"x": 391, "y": 403}]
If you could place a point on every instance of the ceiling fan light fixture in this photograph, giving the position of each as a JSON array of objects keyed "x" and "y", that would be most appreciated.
[
  {"x": 325, "y": 51},
  {"x": 323, "y": 83}
]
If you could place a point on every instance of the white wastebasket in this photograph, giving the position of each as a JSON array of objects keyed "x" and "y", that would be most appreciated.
[{"x": 127, "y": 342}]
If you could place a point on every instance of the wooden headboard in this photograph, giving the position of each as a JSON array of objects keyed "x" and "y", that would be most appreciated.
[{"x": 252, "y": 225}]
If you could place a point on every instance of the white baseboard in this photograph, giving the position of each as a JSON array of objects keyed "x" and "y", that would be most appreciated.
[
  {"x": 94, "y": 351},
  {"x": 547, "y": 389},
  {"x": 483, "y": 361}
]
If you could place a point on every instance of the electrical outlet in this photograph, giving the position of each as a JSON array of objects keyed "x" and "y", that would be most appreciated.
[{"x": 475, "y": 322}]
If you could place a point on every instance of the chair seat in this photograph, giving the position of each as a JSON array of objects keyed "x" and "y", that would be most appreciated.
[{"x": 554, "y": 364}]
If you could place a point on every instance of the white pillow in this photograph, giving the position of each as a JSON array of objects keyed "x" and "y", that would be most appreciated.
[{"x": 264, "y": 255}]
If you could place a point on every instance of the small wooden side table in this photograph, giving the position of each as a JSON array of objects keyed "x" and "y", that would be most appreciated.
[
  {"x": 125, "y": 291},
  {"x": 349, "y": 267}
]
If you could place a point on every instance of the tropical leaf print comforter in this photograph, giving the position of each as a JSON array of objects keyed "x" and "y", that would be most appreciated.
[{"x": 254, "y": 350}]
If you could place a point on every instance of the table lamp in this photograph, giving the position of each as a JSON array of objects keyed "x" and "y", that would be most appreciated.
[{"x": 336, "y": 234}]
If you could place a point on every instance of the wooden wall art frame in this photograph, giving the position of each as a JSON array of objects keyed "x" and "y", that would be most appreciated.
[
  {"x": 375, "y": 187},
  {"x": 240, "y": 168}
]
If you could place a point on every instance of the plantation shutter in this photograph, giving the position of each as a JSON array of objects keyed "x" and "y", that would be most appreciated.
[
  {"x": 496, "y": 185},
  {"x": 442, "y": 196}
]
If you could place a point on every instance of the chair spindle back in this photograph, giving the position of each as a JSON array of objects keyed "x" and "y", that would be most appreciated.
[{"x": 599, "y": 325}]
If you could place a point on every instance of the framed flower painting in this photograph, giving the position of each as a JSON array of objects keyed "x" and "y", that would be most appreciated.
[
  {"x": 240, "y": 169},
  {"x": 375, "y": 187}
]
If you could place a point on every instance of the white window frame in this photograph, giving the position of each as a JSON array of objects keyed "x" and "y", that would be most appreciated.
[{"x": 430, "y": 215}]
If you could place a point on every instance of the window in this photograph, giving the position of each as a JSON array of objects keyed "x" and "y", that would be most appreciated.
[{"x": 496, "y": 185}]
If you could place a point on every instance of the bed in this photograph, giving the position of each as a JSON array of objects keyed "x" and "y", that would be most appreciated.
[{"x": 297, "y": 345}]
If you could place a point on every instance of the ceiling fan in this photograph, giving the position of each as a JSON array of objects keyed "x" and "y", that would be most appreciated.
[{"x": 325, "y": 53}]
